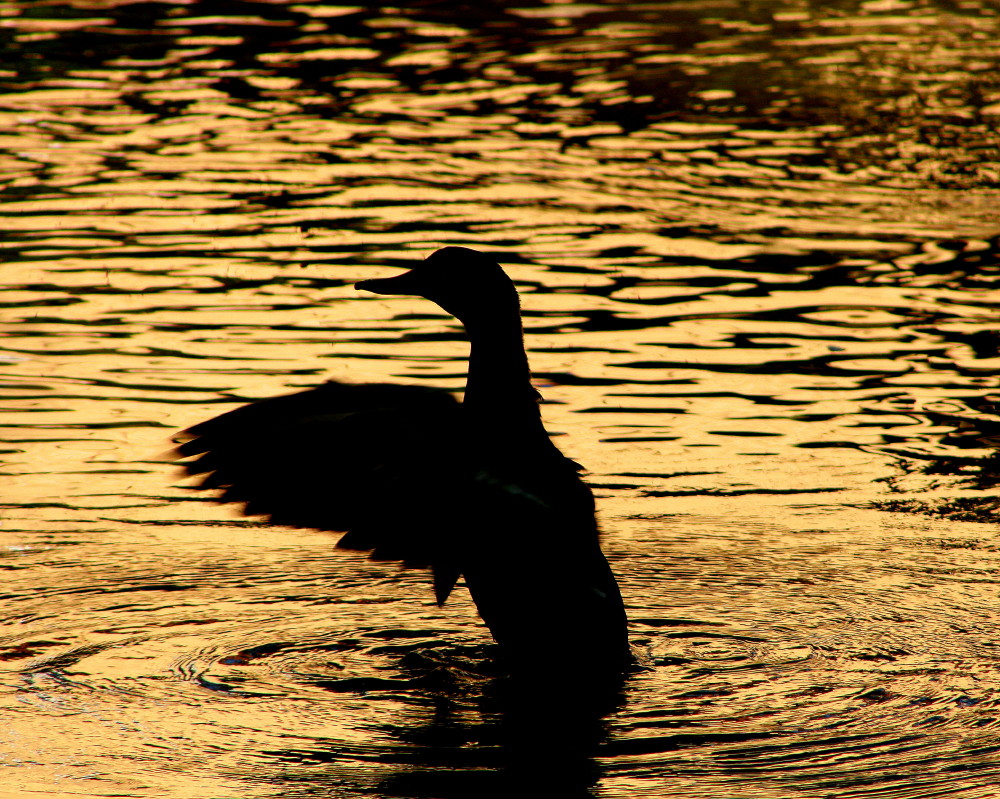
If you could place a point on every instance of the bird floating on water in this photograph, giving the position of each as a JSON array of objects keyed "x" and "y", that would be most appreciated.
[{"x": 473, "y": 489}]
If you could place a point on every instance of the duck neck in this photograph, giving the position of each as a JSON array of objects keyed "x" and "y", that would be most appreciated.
[{"x": 499, "y": 394}]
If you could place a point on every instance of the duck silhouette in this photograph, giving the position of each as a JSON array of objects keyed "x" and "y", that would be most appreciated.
[{"x": 473, "y": 489}]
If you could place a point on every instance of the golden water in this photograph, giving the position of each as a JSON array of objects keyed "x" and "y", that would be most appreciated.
[{"x": 757, "y": 246}]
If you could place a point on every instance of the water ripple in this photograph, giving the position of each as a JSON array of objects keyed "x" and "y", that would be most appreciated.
[{"x": 758, "y": 252}]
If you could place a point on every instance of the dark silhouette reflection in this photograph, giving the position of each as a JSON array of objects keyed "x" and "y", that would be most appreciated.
[
  {"x": 473, "y": 489},
  {"x": 469, "y": 732},
  {"x": 490, "y": 734}
]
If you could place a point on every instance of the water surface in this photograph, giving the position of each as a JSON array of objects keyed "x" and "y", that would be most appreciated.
[{"x": 758, "y": 249}]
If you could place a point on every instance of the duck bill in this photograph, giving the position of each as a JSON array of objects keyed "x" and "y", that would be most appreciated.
[{"x": 406, "y": 283}]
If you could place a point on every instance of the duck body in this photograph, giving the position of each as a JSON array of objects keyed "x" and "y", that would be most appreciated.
[{"x": 472, "y": 489}]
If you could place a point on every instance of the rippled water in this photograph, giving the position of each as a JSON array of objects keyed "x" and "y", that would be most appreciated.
[{"x": 758, "y": 245}]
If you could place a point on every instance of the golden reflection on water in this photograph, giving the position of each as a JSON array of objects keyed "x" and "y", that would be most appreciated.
[{"x": 758, "y": 256}]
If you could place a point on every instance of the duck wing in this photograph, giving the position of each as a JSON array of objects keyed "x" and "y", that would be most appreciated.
[{"x": 377, "y": 461}]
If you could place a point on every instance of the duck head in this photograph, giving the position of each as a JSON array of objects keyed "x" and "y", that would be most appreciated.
[{"x": 466, "y": 283}]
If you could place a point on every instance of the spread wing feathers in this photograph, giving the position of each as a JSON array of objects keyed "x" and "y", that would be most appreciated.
[{"x": 383, "y": 463}]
